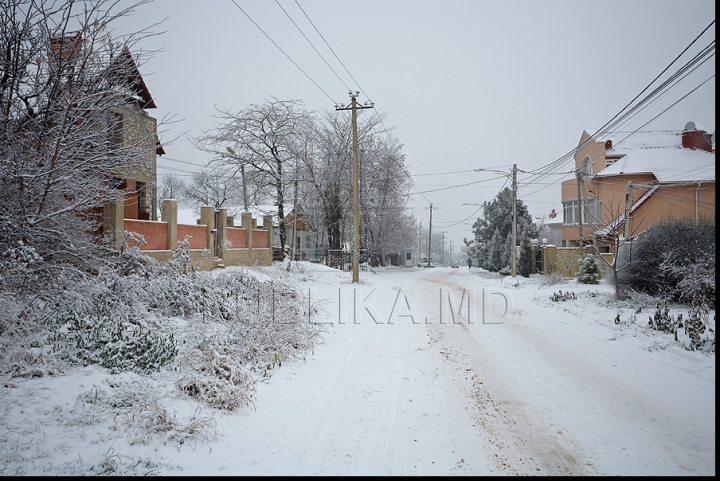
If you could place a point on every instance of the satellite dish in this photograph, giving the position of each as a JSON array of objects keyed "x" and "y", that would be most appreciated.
[{"x": 690, "y": 126}]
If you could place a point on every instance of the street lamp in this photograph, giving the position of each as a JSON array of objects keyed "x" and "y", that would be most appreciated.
[
  {"x": 513, "y": 178},
  {"x": 242, "y": 174}
]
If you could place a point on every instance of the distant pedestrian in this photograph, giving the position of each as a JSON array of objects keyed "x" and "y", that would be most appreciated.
[{"x": 469, "y": 262}]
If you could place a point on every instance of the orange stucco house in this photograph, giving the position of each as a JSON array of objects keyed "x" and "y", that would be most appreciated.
[{"x": 627, "y": 181}]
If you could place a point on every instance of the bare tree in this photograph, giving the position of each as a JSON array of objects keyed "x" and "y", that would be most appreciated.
[
  {"x": 262, "y": 139},
  {"x": 171, "y": 187},
  {"x": 63, "y": 80},
  {"x": 212, "y": 187},
  {"x": 388, "y": 227},
  {"x": 616, "y": 234}
]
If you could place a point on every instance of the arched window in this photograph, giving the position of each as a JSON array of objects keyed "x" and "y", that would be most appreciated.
[{"x": 586, "y": 169}]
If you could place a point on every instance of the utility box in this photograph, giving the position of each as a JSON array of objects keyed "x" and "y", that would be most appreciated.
[{"x": 408, "y": 260}]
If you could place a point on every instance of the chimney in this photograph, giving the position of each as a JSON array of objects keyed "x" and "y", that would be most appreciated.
[
  {"x": 608, "y": 144},
  {"x": 694, "y": 138},
  {"x": 65, "y": 48}
]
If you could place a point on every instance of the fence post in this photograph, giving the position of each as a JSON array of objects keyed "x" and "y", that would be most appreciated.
[
  {"x": 268, "y": 225},
  {"x": 113, "y": 221},
  {"x": 169, "y": 215},
  {"x": 207, "y": 218},
  {"x": 221, "y": 227},
  {"x": 247, "y": 224}
]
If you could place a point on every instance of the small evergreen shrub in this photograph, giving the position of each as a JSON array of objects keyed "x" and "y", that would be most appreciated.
[
  {"x": 107, "y": 341},
  {"x": 560, "y": 297},
  {"x": 589, "y": 272},
  {"x": 698, "y": 336}
]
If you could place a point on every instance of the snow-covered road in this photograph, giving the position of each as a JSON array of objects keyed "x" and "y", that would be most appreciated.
[{"x": 401, "y": 389}]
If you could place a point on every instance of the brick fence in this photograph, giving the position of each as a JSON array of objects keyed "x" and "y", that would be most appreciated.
[{"x": 225, "y": 244}]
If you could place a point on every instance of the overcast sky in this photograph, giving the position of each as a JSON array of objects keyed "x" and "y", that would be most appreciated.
[{"x": 466, "y": 84}]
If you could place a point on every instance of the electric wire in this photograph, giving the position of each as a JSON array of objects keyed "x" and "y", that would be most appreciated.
[
  {"x": 562, "y": 160},
  {"x": 331, "y": 49},
  {"x": 311, "y": 44},
  {"x": 283, "y": 52}
]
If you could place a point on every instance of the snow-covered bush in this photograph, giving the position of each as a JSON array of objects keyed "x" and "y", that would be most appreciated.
[
  {"x": 116, "y": 345},
  {"x": 671, "y": 260},
  {"x": 559, "y": 296},
  {"x": 219, "y": 380},
  {"x": 589, "y": 271},
  {"x": 552, "y": 277},
  {"x": 663, "y": 321},
  {"x": 696, "y": 334}
]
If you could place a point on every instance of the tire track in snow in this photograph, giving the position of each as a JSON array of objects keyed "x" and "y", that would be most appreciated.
[{"x": 523, "y": 446}]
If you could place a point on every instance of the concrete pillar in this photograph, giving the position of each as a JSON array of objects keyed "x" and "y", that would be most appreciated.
[
  {"x": 113, "y": 223},
  {"x": 247, "y": 223},
  {"x": 549, "y": 256},
  {"x": 230, "y": 221},
  {"x": 207, "y": 218},
  {"x": 268, "y": 225},
  {"x": 170, "y": 215},
  {"x": 221, "y": 231}
]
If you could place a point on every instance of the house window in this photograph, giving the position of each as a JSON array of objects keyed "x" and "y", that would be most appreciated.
[
  {"x": 609, "y": 162},
  {"x": 570, "y": 214},
  {"x": 586, "y": 169},
  {"x": 116, "y": 129},
  {"x": 593, "y": 210},
  {"x": 408, "y": 256}
]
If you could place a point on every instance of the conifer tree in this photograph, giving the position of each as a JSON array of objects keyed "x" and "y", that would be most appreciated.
[
  {"x": 589, "y": 272},
  {"x": 495, "y": 252},
  {"x": 525, "y": 262},
  {"x": 506, "y": 250}
]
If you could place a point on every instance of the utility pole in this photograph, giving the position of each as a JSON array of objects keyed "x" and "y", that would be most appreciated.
[
  {"x": 430, "y": 238},
  {"x": 419, "y": 246},
  {"x": 295, "y": 217},
  {"x": 242, "y": 174},
  {"x": 356, "y": 182},
  {"x": 579, "y": 211},
  {"x": 628, "y": 204},
  {"x": 513, "y": 251},
  {"x": 442, "y": 258},
  {"x": 589, "y": 217}
]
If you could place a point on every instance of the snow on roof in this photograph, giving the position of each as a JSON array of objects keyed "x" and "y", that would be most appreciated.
[{"x": 659, "y": 153}]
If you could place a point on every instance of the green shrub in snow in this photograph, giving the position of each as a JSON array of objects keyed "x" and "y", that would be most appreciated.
[
  {"x": 117, "y": 346},
  {"x": 589, "y": 272}
]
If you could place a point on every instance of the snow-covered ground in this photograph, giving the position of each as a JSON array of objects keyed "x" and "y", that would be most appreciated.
[{"x": 405, "y": 383}]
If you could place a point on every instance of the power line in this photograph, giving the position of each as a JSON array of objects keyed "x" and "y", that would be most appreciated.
[
  {"x": 288, "y": 57},
  {"x": 333, "y": 52},
  {"x": 311, "y": 44},
  {"x": 182, "y": 161},
  {"x": 548, "y": 169}
]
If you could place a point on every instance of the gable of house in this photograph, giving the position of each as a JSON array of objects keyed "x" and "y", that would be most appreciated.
[{"x": 642, "y": 177}]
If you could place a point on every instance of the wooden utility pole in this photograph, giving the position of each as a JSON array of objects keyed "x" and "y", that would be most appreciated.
[
  {"x": 430, "y": 238},
  {"x": 513, "y": 251},
  {"x": 295, "y": 217},
  {"x": 579, "y": 211},
  {"x": 442, "y": 237},
  {"x": 419, "y": 245},
  {"x": 628, "y": 205},
  {"x": 356, "y": 182}
]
